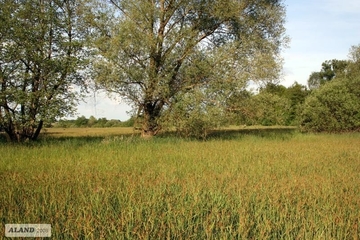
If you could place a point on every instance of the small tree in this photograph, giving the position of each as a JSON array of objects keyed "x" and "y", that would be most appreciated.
[
  {"x": 270, "y": 109},
  {"x": 41, "y": 51},
  {"x": 296, "y": 94},
  {"x": 92, "y": 121},
  {"x": 81, "y": 122}
]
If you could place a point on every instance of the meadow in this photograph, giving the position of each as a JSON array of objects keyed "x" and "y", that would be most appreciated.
[{"x": 238, "y": 184}]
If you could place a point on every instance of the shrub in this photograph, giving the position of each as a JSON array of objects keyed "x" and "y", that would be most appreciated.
[{"x": 335, "y": 107}]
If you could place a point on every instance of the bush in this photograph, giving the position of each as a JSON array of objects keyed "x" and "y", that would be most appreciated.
[
  {"x": 335, "y": 107},
  {"x": 81, "y": 121},
  {"x": 267, "y": 109},
  {"x": 194, "y": 116},
  {"x": 129, "y": 123}
]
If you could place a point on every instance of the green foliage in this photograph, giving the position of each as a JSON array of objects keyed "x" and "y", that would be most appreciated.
[
  {"x": 274, "y": 89},
  {"x": 153, "y": 52},
  {"x": 64, "y": 123},
  {"x": 239, "y": 107},
  {"x": 194, "y": 115},
  {"x": 273, "y": 105},
  {"x": 330, "y": 69},
  {"x": 129, "y": 123},
  {"x": 82, "y": 121},
  {"x": 335, "y": 106},
  {"x": 113, "y": 123},
  {"x": 332, "y": 108},
  {"x": 92, "y": 121},
  {"x": 41, "y": 58},
  {"x": 101, "y": 122},
  {"x": 353, "y": 71},
  {"x": 296, "y": 94},
  {"x": 270, "y": 109}
]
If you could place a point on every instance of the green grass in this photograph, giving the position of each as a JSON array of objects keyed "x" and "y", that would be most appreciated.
[{"x": 237, "y": 185}]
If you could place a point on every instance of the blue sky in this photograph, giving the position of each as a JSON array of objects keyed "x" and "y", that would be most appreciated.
[{"x": 319, "y": 30}]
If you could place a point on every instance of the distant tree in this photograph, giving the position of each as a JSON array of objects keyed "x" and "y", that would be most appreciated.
[
  {"x": 335, "y": 106},
  {"x": 264, "y": 108},
  {"x": 270, "y": 109},
  {"x": 101, "y": 122},
  {"x": 273, "y": 105},
  {"x": 64, "y": 123},
  {"x": 113, "y": 123},
  {"x": 41, "y": 55},
  {"x": 92, "y": 121},
  {"x": 129, "y": 123},
  {"x": 239, "y": 107},
  {"x": 273, "y": 88},
  {"x": 192, "y": 116},
  {"x": 81, "y": 122},
  {"x": 155, "y": 53},
  {"x": 296, "y": 94},
  {"x": 330, "y": 69},
  {"x": 353, "y": 70},
  {"x": 315, "y": 80}
]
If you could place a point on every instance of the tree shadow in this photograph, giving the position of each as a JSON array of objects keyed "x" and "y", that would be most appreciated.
[
  {"x": 53, "y": 139},
  {"x": 79, "y": 141},
  {"x": 3, "y": 137},
  {"x": 279, "y": 133},
  {"x": 276, "y": 133}
]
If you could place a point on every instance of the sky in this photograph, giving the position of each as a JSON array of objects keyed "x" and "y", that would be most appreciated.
[{"x": 319, "y": 30}]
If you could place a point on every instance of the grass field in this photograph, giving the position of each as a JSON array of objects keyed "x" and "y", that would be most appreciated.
[{"x": 239, "y": 184}]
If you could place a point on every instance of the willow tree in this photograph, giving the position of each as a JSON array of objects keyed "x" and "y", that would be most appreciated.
[
  {"x": 40, "y": 55},
  {"x": 154, "y": 52}
]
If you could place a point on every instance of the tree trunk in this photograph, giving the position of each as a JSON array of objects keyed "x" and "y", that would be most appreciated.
[
  {"x": 11, "y": 135},
  {"x": 151, "y": 113},
  {"x": 21, "y": 135},
  {"x": 38, "y": 129},
  {"x": 149, "y": 125}
]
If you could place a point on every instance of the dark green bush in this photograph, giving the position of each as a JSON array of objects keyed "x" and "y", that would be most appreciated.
[{"x": 334, "y": 107}]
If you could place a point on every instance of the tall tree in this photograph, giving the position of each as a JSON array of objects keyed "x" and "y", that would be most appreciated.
[
  {"x": 154, "y": 52},
  {"x": 41, "y": 51}
]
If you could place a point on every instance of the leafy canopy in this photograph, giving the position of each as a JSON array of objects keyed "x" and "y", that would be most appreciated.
[
  {"x": 154, "y": 53},
  {"x": 41, "y": 55}
]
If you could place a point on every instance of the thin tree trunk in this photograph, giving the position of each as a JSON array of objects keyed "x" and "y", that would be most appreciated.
[
  {"x": 11, "y": 135},
  {"x": 38, "y": 129}
]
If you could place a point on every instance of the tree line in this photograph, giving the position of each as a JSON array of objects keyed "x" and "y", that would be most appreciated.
[
  {"x": 92, "y": 121},
  {"x": 334, "y": 103},
  {"x": 330, "y": 102},
  {"x": 179, "y": 64}
]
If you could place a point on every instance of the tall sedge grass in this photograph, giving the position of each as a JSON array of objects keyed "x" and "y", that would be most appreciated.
[{"x": 249, "y": 186}]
